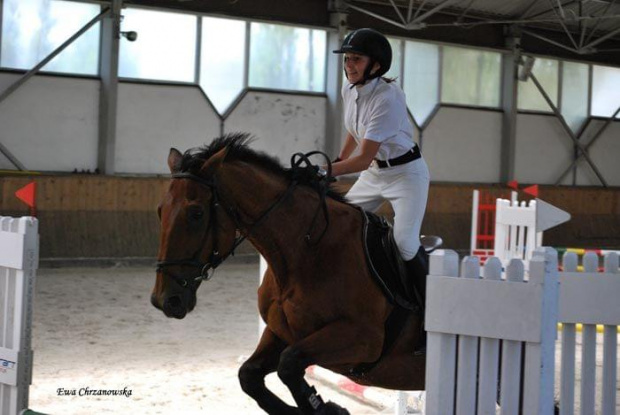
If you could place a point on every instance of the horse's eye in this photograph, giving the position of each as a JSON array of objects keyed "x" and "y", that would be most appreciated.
[{"x": 196, "y": 213}]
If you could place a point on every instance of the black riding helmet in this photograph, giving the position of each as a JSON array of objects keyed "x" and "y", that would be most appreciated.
[{"x": 373, "y": 44}]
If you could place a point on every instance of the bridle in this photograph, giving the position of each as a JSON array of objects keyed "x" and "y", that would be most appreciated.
[{"x": 207, "y": 269}]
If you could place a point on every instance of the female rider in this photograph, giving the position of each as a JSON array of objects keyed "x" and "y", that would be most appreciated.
[{"x": 377, "y": 121}]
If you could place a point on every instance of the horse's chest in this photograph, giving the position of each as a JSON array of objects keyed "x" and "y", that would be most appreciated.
[{"x": 291, "y": 321}]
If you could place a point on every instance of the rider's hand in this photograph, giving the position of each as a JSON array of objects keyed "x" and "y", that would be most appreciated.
[{"x": 321, "y": 172}]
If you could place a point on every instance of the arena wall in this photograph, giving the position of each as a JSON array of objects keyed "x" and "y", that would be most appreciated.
[
  {"x": 50, "y": 125},
  {"x": 88, "y": 216}
]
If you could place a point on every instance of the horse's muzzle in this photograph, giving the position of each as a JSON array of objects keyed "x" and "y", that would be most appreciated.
[{"x": 175, "y": 306}]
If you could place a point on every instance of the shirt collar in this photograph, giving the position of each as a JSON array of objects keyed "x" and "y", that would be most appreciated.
[{"x": 367, "y": 88}]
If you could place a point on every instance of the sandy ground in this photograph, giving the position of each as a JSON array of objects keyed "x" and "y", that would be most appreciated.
[{"x": 95, "y": 328}]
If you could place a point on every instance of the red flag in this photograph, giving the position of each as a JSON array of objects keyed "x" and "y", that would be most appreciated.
[
  {"x": 532, "y": 190},
  {"x": 513, "y": 184},
  {"x": 27, "y": 194}
]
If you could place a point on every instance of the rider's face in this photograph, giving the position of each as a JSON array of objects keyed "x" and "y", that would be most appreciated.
[{"x": 355, "y": 65}]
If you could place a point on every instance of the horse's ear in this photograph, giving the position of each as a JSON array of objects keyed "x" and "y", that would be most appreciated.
[
  {"x": 174, "y": 160},
  {"x": 214, "y": 162}
]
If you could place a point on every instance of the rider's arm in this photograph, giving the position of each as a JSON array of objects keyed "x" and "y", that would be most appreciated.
[
  {"x": 347, "y": 149},
  {"x": 357, "y": 163}
]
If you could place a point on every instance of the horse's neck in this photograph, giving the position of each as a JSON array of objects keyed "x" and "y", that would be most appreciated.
[{"x": 279, "y": 236}]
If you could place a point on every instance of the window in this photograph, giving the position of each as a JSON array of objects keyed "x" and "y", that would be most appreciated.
[
  {"x": 165, "y": 49},
  {"x": 32, "y": 29},
  {"x": 395, "y": 68},
  {"x": 470, "y": 77},
  {"x": 575, "y": 81},
  {"x": 421, "y": 83},
  {"x": 222, "y": 60},
  {"x": 284, "y": 57},
  {"x": 530, "y": 98},
  {"x": 605, "y": 87}
]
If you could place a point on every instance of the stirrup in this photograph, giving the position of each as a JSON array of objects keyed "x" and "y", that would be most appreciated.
[{"x": 430, "y": 242}]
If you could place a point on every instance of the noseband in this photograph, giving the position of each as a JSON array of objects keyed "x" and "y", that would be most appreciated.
[{"x": 207, "y": 269}]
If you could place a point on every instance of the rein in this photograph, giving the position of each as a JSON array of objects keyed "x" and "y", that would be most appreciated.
[{"x": 207, "y": 269}]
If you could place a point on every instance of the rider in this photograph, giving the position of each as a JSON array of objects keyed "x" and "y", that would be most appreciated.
[{"x": 377, "y": 121}]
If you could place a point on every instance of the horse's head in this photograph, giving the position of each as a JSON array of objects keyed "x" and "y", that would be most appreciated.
[{"x": 194, "y": 230}]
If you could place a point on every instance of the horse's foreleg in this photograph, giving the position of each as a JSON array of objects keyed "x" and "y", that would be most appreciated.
[
  {"x": 337, "y": 343},
  {"x": 252, "y": 374}
]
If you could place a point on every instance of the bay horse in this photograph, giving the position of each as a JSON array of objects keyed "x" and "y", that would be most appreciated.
[{"x": 318, "y": 299}]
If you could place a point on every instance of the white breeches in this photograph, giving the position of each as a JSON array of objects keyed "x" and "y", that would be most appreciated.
[{"x": 406, "y": 188}]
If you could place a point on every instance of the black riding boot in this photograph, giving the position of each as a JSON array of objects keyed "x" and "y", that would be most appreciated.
[{"x": 417, "y": 267}]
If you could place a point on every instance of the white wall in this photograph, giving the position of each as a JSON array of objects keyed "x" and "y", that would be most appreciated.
[
  {"x": 543, "y": 150},
  {"x": 604, "y": 153},
  {"x": 51, "y": 123},
  {"x": 283, "y": 124},
  {"x": 463, "y": 145},
  {"x": 153, "y": 118}
]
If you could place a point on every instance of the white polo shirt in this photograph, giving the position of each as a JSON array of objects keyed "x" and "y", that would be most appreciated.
[{"x": 377, "y": 111}]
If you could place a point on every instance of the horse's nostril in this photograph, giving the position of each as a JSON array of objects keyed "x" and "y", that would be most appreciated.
[
  {"x": 173, "y": 307},
  {"x": 174, "y": 302}
]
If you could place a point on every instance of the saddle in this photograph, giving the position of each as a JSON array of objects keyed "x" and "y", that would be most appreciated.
[
  {"x": 386, "y": 264},
  {"x": 389, "y": 272}
]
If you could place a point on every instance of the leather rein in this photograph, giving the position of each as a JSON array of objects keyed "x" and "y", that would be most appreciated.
[{"x": 207, "y": 269}]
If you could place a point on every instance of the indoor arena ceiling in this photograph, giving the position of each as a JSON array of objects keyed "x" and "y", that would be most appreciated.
[
  {"x": 578, "y": 29},
  {"x": 585, "y": 24}
]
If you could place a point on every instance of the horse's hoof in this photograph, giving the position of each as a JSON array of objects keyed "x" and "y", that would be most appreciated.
[{"x": 331, "y": 408}]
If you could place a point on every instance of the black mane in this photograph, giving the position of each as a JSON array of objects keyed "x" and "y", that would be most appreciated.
[{"x": 239, "y": 149}]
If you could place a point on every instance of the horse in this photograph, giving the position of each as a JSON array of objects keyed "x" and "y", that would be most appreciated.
[{"x": 318, "y": 299}]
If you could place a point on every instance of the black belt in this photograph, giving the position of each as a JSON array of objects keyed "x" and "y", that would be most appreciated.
[{"x": 410, "y": 155}]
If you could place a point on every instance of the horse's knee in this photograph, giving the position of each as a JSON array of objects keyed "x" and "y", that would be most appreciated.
[
  {"x": 291, "y": 367},
  {"x": 251, "y": 378}
]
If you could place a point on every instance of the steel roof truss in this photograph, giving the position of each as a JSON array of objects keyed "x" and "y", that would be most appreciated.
[
  {"x": 601, "y": 39},
  {"x": 400, "y": 15},
  {"x": 378, "y": 16},
  {"x": 598, "y": 21},
  {"x": 432, "y": 11},
  {"x": 417, "y": 12},
  {"x": 561, "y": 17},
  {"x": 551, "y": 41}
]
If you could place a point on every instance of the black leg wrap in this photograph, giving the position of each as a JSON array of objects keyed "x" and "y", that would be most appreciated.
[
  {"x": 252, "y": 380},
  {"x": 314, "y": 399},
  {"x": 291, "y": 371}
]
